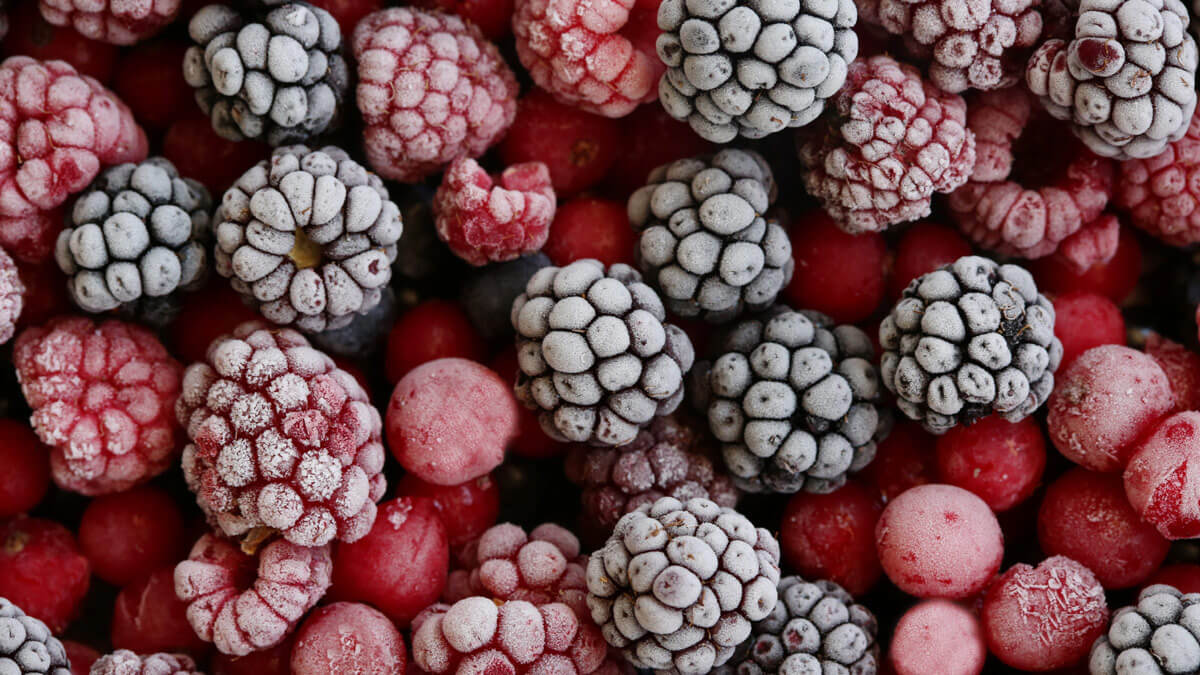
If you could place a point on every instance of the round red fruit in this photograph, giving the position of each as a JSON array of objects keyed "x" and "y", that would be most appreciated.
[
  {"x": 588, "y": 227},
  {"x": 466, "y": 509},
  {"x": 1083, "y": 320},
  {"x": 42, "y": 570},
  {"x": 836, "y": 273},
  {"x": 129, "y": 534},
  {"x": 998, "y": 460},
  {"x": 148, "y": 617},
  {"x": 578, "y": 147},
  {"x": 355, "y": 637},
  {"x": 923, "y": 248},
  {"x": 26, "y": 462},
  {"x": 434, "y": 329},
  {"x": 832, "y": 536}
]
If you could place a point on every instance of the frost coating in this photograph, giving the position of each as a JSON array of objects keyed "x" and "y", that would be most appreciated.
[
  {"x": 125, "y": 662},
  {"x": 484, "y": 219},
  {"x": 12, "y": 297},
  {"x": 1159, "y": 633},
  {"x": 1160, "y": 193},
  {"x": 1161, "y": 480},
  {"x": 26, "y": 645},
  {"x": 118, "y": 22}
]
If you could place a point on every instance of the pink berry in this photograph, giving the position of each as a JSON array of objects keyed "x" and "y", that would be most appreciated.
[
  {"x": 938, "y": 636},
  {"x": 434, "y": 329},
  {"x": 400, "y": 566},
  {"x": 904, "y": 459},
  {"x": 125, "y": 662},
  {"x": 1084, "y": 320},
  {"x": 26, "y": 474},
  {"x": 31, "y": 35},
  {"x": 590, "y": 227},
  {"x": 243, "y": 603},
  {"x": 102, "y": 398},
  {"x": 1182, "y": 367},
  {"x": 466, "y": 509},
  {"x": 939, "y": 541},
  {"x": 351, "y": 638},
  {"x": 148, "y": 617},
  {"x": 129, "y": 534},
  {"x": 12, "y": 297},
  {"x": 998, "y": 460},
  {"x": 42, "y": 570},
  {"x": 836, "y": 273},
  {"x": 1159, "y": 479},
  {"x": 484, "y": 219},
  {"x": 1161, "y": 194},
  {"x": 1103, "y": 403},
  {"x": 1045, "y": 617},
  {"x": 1086, "y": 517},
  {"x": 577, "y": 147},
  {"x": 449, "y": 421},
  {"x": 114, "y": 22},
  {"x": 832, "y": 536}
]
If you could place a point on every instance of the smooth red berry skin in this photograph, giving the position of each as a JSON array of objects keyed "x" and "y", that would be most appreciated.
[
  {"x": 836, "y": 273},
  {"x": 1115, "y": 278},
  {"x": 356, "y": 637},
  {"x": 199, "y": 153},
  {"x": 1000, "y": 461},
  {"x": 905, "y": 459},
  {"x": 148, "y": 617},
  {"x": 80, "y": 656},
  {"x": 650, "y": 138},
  {"x": 492, "y": 16},
  {"x": 42, "y": 570},
  {"x": 531, "y": 440},
  {"x": 434, "y": 329},
  {"x": 1083, "y": 320},
  {"x": 272, "y": 661},
  {"x": 832, "y": 536},
  {"x": 26, "y": 474},
  {"x": 400, "y": 567},
  {"x": 205, "y": 316},
  {"x": 923, "y": 248},
  {"x": 467, "y": 509},
  {"x": 149, "y": 80},
  {"x": 45, "y": 293},
  {"x": 1184, "y": 576},
  {"x": 588, "y": 227},
  {"x": 129, "y": 534},
  {"x": 578, "y": 147},
  {"x": 31, "y": 35}
]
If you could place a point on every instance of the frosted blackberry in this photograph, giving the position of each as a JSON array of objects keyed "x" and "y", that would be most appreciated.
[
  {"x": 136, "y": 236},
  {"x": 752, "y": 68},
  {"x": 309, "y": 236},
  {"x": 365, "y": 332},
  {"x": 26, "y": 645},
  {"x": 678, "y": 585},
  {"x": 597, "y": 359},
  {"x": 487, "y": 293},
  {"x": 705, "y": 244},
  {"x": 1126, "y": 82},
  {"x": 815, "y": 628},
  {"x": 792, "y": 398},
  {"x": 278, "y": 76},
  {"x": 1158, "y": 635},
  {"x": 970, "y": 339}
]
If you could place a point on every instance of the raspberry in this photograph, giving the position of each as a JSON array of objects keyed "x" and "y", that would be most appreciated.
[
  {"x": 1115, "y": 277},
  {"x": 832, "y": 536},
  {"x": 26, "y": 462},
  {"x": 125, "y": 662},
  {"x": 938, "y": 636},
  {"x": 1015, "y": 202},
  {"x": 493, "y": 219},
  {"x": 42, "y": 570},
  {"x": 590, "y": 227},
  {"x": 33, "y": 36},
  {"x": 59, "y": 132},
  {"x": 835, "y": 273},
  {"x": 347, "y": 637},
  {"x": 894, "y": 140},
  {"x": 431, "y": 89},
  {"x": 282, "y": 440},
  {"x": 474, "y": 635},
  {"x": 922, "y": 248},
  {"x": 12, "y": 297},
  {"x": 596, "y": 57},
  {"x": 1000, "y": 461},
  {"x": 1182, "y": 367},
  {"x": 102, "y": 396},
  {"x": 577, "y": 147},
  {"x": 494, "y": 17},
  {"x": 434, "y": 329},
  {"x": 148, "y": 617},
  {"x": 1084, "y": 320},
  {"x": 111, "y": 21},
  {"x": 129, "y": 534},
  {"x": 244, "y": 603},
  {"x": 1162, "y": 193}
]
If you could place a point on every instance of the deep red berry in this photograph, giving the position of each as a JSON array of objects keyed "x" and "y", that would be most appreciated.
[
  {"x": 434, "y": 329},
  {"x": 904, "y": 459},
  {"x": 588, "y": 227},
  {"x": 1184, "y": 576},
  {"x": 650, "y": 138},
  {"x": 127, "y": 535},
  {"x": 836, "y": 273},
  {"x": 494, "y": 17},
  {"x": 1115, "y": 278},
  {"x": 31, "y": 35},
  {"x": 577, "y": 147},
  {"x": 1083, "y": 320},
  {"x": 148, "y": 617},
  {"x": 80, "y": 656},
  {"x": 348, "y": 637},
  {"x": 199, "y": 153},
  {"x": 531, "y": 440},
  {"x": 205, "y": 316},
  {"x": 924, "y": 247},
  {"x": 1182, "y": 367},
  {"x": 467, "y": 509},
  {"x": 150, "y": 81},
  {"x": 271, "y": 661},
  {"x": 832, "y": 536},
  {"x": 45, "y": 292},
  {"x": 998, "y": 460},
  {"x": 26, "y": 474},
  {"x": 42, "y": 570},
  {"x": 348, "y": 12}
]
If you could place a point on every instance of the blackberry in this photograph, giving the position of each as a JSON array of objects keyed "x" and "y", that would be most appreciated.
[
  {"x": 136, "y": 236},
  {"x": 487, "y": 294},
  {"x": 752, "y": 68},
  {"x": 279, "y": 77},
  {"x": 365, "y": 332},
  {"x": 1160, "y": 634},
  {"x": 308, "y": 236},
  {"x": 705, "y": 244},
  {"x": 597, "y": 359},
  {"x": 967, "y": 340},
  {"x": 793, "y": 400},
  {"x": 26, "y": 645}
]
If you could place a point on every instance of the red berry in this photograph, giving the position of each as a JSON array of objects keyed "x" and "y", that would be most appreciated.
[
  {"x": 650, "y": 138},
  {"x": 577, "y": 147},
  {"x": 434, "y": 329},
  {"x": 1182, "y": 367},
  {"x": 26, "y": 474},
  {"x": 923, "y": 248},
  {"x": 270, "y": 661},
  {"x": 998, "y": 460},
  {"x": 348, "y": 12},
  {"x": 485, "y": 218},
  {"x": 129, "y": 534},
  {"x": 1158, "y": 480},
  {"x": 45, "y": 292},
  {"x": 205, "y": 316},
  {"x": 1115, "y": 278},
  {"x": 494, "y": 17},
  {"x": 903, "y": 460},
  {"x": 937, "y": 636},
  {"x": 42, "y": 570},
  {"x": 150, "y": 81},
  {"x": 531, "y": 440},
  {"x": 1184, "y": 576},
  {"x": 400, "y": 566},
  {"x": 832, "y": 536},
  {"x": 80, "y": 656},
  {"x": 1083, "y": 320},
  {"x": 148, "y": 617},
  {"x": 836, "y": 273},
  {"x": 31, "y": 35},
  {"x": 199, "y": 153},
  {"x": 466, "y": 509},
  {"x": 350, "y": 638},
  {"x": 588, "y": 227}
]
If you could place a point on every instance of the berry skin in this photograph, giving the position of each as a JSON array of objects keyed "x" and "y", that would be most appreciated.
[
  {"x": 1115, "y": 278},
  {"x": 148, "y": 617},
  {"x": 198, "y": 152},
  {"x": 590, "y": 227},
  {"x": 28, "y": 647},
  {"x": 413, "y": 129},
  {"x": 129, "y": 534},
  {"x": 42, "y": 570},
  {"x": 1181, "y": 366},
  {"x": 1158, "y": 479},
  {"x": 118, "y": 23},
  {"x": 494, "y": 17},
  {"x": 80, "y": 656},
  {"x": 348, "y": 12},
  {"x": 650, "y": 138},
  {"x": 12, "y": 297},
  {"x": 45, "y": 293},
  {"x": 484, "y": 219},
  {"x": 832, "y": 536},
  {"x": 102, "y": 396},
  {"x": 1155, "y": 634},
  {"x": 835, "y": 273},
  {"x": 1085, "y": 320},
  {"x": 204, "y": 316},
  {"x": 151, "y": 83},
  {"x": 923, "y": 248},
  {"x": 26, "y": 462},
  {"x": 125, "y": 662},
  {"x": 31, "y": 35},
  {"x": 938, "y": 636},
  {"x": 904, "y": 459},
  {"x": 357, "y": 638},
  {"x": 1161, "y": 194},
  {"x": 531, "y": 440},
  {"x": 1183, "y": 576},
  {"x": 998, "y": 460},
  {"x": 434, "y": 329},
  {"x": 467, "y": 509},
  {"x": 271, "y": 661}
]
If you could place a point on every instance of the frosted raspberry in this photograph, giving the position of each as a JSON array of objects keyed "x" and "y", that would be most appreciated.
[
  {"x": 475, "y": 635},
  {"x": 244, "y": 603},
  {"x": 118, "y": 22},
  {"x": 493, "y": 219},
  {"x": 57, "y": 130},
  {"x": 12, "y": 297},
  {"x": 1162, "y": 194},
  {"x": 125, "y": 662},
  {"x": 102, "y": 396},
  {"x": 596, "y": 56},
  {"x": 431, "y": 89},
  {"x": 893, "y": 140},
  {"x": 282, "y": 439},
  {"x": 1019, "y": 201}
]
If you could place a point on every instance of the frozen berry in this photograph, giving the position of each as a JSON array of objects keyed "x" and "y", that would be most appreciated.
[
  {"x": 125, "y": 662},
  {"x": 347, "y": 12},
  {"x": 80, "y": 656},
  {"x": 905, "y": 459},
  {"x": 348, "y": 637},
  {"x": 467, "y": 509},
  {"x": 938, "y": 636},
  {"x": 650, "y": 138},
  {"x": 835, "y": 273},
  {"x": 26, "y": 474},
  {"x": 1159, "y": 478},
  {"x": 151, "y": 83},
  {"x": 32, "y": 35},
  {"x": 923, "y": 248},
  {"x": 487, "y": 293},
  {"x": 198, "y": 152},
  {"x": 1083, "y": 320},
  {"x": 12, "y": 296},
  {"x": 494, "y": 17},
  {"x": 28, "y": 648},
  {"x": 832, "y": 536},
  {"x": 127, "y": 535},
  {"x": 1156, "y": 634},
  {"x": 1160, "y": 193},
  {"x": 1182, "y": 367},
  {"x": 45, "y": 293},
  {"x": 434, "y": 329},
  {"x": 1183, "y": 576},
  {"x": 494, "y": 219},
  {"x": 531, "y": 440},
  {"x": 1115, "y": 278},
  {"x": 204, "y": 316},
  {"x": 42, "y": 570},
  {"x": 577, "y": 147},
  {"x": 118, "y": 23},
  {"x": 998, "y": 460},
  {"x": 148, "y": 617},
  {"x": 590, "y": 227},
  {"x": 271, "y": 661}
]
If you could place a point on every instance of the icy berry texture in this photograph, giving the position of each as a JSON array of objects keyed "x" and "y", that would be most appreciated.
[
  {"x": 666, "y": 459},
  {"x": 998, "y": 460},
  {"x": 347, "y": 637},
  {"x": 594, "y": 56},
  {"x": 894, "y": 140},
  {"x": 832, "y": 536},
  {"x": 938, "y": 636},
  {"x": 431, "y": 89},
  {"x": 12, "y": 297},
  {"x": 309, "y": 236},
  {"x": 1126, "y": 81},
  {"x": 1181, "y": 366},
  {"x": 1109, "y": 398},
  {"x": 125, "y": 662},
  {"x": 679, "y": 584},
  {"x": 42, "y": 570},
  {"x": 1000, "y": 208},
  {"x": 244, "y": 603},
  {"x": 1157, "y": 634},
  {"x": 58, "y": 128},
  {"x": 1162, "y": 193},
  {"x": 102, "y": 396},
  {"x": 493, "y": 219},
  {"x": 1160, "y": 479},
  {"x": 939, "y": 541},
  {"x": 281, "y": 439},
  {"x": 477, "y": 635},
  {"x": 118, "y": 22},
  {"x": 1044, "y": 617},
  {"x": 26, "y": 645}
]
